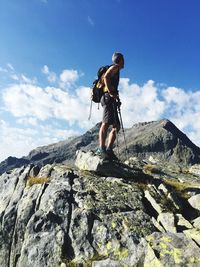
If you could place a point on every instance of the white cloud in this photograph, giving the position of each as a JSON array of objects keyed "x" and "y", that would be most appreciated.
[
  {"x": 176, "y": 96},
  {"x": 26, "y": 99},
  {"x": 45, "y": 69},
  {"x": 10, "y": 73},
  {"x": 10, "y": 66},
  {"x": 28, "y": 121},
  {"x": 25, "y": 79},
  {"x": 19, "y": 142},
  {"x": 68, "y": 77},
  {"x": 15, "y": 141},
  {"x": 147, "y": 103},
  {"x": 83, "y": 93},
  {"x": 30, "y": 101},
  {"x": 51, "y": 76},
  {"x": 22, "y": 78},
  {"x": 183, "y": 108},
  {"x": 33, "y": 107},
  {"x": 14, "y": 77},
  {"x": 140, "y": 103}
]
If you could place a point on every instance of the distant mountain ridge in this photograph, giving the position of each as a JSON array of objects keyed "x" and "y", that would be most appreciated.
[{"x": 160, "y": 139}]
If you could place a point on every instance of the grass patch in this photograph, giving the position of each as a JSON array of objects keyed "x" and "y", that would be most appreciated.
[
  {"x": 181, "y": 186},
  {"x": 149, "y": 168},
  {"x": 37, "y": 180}
]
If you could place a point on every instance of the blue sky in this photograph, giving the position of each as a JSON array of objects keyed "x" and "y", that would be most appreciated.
[{"x": 50, "y": 51}]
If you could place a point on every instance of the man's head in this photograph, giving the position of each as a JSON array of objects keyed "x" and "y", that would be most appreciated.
[{"x": 118, "y": 58}]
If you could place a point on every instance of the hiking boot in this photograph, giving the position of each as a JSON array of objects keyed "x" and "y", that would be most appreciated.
[
  {"x": 111, "y": 154},
  {"x": 101, "y": 152}
]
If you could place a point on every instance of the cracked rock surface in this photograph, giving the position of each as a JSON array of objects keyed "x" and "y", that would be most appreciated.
[{"x": 58, "y": 217}]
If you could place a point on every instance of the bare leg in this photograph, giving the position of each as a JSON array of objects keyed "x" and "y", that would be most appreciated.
[
  {"x": 112, "y": 137},
  {"x": 102, "y": 134}
]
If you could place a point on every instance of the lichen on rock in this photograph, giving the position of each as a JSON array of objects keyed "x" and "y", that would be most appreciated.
[{"x": 84, "y": 217}]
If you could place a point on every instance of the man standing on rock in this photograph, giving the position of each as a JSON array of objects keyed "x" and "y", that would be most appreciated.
[{"x": 110, "y": 102}]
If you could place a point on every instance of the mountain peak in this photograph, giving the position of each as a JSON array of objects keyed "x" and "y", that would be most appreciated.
[{"x": 159, "y": 139}]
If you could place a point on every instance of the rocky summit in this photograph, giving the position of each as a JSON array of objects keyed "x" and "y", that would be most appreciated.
[
  {"x": 64, "y": 206},
  {"x": 100, "y": 213},
  {"x": 161, "y": 140}
]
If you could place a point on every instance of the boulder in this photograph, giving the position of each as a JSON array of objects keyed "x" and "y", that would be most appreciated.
[
  {"x": 195, "y": 201},
  {"x": 158, "y": 199},
  {"x": 182, "y": 222},
  {"x": 158, "y": 225},
  {"x": 195, "y": 169},
  {"x": 168, "y": 221},
  {"x": 158, "y": 207},
  {"x": 193, "y": 234},
  {"x": 88, "y": 161}
]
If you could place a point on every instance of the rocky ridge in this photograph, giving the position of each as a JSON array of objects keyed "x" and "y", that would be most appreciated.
[
  {"x": 100, "y": 214},
  {"x": 160, "y": 139}
]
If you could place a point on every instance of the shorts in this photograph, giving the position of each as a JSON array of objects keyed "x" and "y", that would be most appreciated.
[{"x": 110, "y": 114}]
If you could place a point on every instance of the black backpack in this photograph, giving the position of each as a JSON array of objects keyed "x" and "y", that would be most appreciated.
[{"x": 98, "y": 85}]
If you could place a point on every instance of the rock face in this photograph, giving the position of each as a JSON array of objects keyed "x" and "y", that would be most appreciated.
[
  {"x": 161, "y": 140},
  {"x": 55, "y": 216},
  {"x": 12, "y": 163},
  {"x": 90, "y": 162}
]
